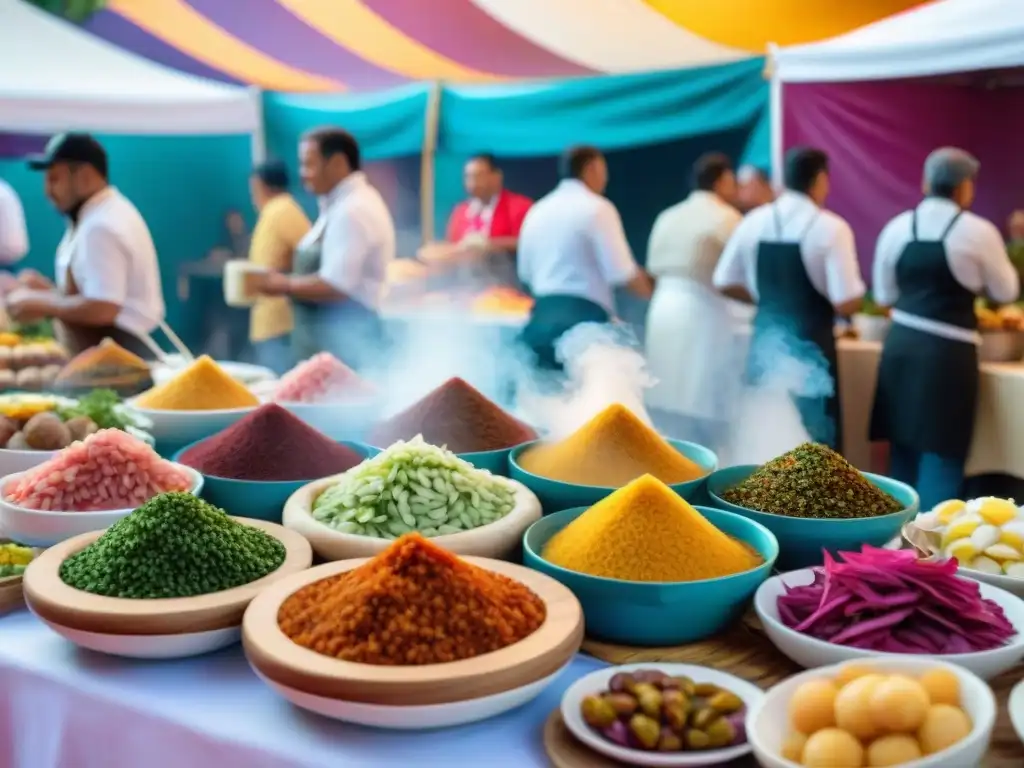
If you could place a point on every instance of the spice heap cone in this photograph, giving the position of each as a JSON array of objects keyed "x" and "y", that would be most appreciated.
[
  {"x": 813, "y": 481},
  {"x": 203, "y": 386},
  {"x": 458, "y": 417},
  {"x": 270, "y": 444},
  {"x": 322, "y": 378},
  {"x": 415, "y": 603},
  {"x": 174, "y": 545},
  {"x": 645, "y": 532},
  {"x": 612, "y": 449},
  {"x": 107, "y": 365}
]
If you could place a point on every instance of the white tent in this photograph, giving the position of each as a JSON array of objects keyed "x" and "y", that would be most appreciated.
[
  {"x": 938, "y": 38},
  {"x": 54, "y": 77}
]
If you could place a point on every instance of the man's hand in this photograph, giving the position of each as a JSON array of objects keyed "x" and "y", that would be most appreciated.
[
  {"x": 267, "y": 283},
  {"x": 26, "y": 305},
  {"x": 30, "y": 278}
]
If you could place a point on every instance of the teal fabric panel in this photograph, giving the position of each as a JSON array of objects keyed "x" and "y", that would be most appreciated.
[
  {"x": 613, "y": 112},
  {"x": 758, "y": 151},
  {"x": 183, "y": 186}
]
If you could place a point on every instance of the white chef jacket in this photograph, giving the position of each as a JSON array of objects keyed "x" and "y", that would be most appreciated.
[
  {"x": 827, "y": 246},
  {"x": 110, "y": 254},
  {"x": 572, "y": 243},
  {"x": 13, "y": 233},
  {"x": 975, "y": 253},
  {"x": 688, "y": 238},
  {"x": 357, "y": 237}
]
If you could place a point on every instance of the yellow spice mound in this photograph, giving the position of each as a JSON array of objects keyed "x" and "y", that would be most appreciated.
[
  {"x": 203, "y": 386},
  {"x": 645, "y": 532},
  {"x": 612, "y": 449}
]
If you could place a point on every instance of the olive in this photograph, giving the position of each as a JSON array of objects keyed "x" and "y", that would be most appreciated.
[
  {"x": 705, "y": 689},
  {"x": 669, "y": 741},
  {"x": 721, "y": 733},
  {"x": 725, "y": 702},
  {"x": 597, "y": 712},
  {"x": 695, "y": 739},
  {"x": 649, "y": 699},
  {"x": 703, "y": 717},
  {"x": 623, "y": 704},
  {"x": 621, "y": 682},
  {"x": 683, "y": 683},
  {"x": 645, "y": 730},
  {"x": 674, "y": 716},
  {"x": 672, "y": 696},
  {"x": 652, "y": 676}
]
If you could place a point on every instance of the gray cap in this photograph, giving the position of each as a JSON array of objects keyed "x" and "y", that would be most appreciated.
[{"x": 949, "y": 167}]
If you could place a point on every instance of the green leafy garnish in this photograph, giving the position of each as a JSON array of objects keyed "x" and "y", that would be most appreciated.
[{"x": 6, "y": 571}]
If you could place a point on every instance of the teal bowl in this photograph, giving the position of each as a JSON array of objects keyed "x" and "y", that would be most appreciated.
[
  {"x": 260, "y": 500},
  {"x": 555, "y": 495},
  {"x": 802, "y": 540},
  {"x": 654, "y": 613},
  {"x": 495, "y": 462}
]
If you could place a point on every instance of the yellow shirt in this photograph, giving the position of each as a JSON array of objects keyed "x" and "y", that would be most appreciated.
[{"x": 280, "y": 227}]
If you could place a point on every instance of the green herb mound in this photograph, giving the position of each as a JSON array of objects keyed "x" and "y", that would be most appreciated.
[
  {"x": 812, "y": 481},
  {"x": 174, "y": 545}
]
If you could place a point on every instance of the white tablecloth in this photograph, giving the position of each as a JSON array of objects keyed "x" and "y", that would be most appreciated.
[{"x": 61, "y": 707}]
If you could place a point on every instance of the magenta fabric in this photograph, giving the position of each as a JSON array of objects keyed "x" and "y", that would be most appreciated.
[{"x": 878, "y": 135}]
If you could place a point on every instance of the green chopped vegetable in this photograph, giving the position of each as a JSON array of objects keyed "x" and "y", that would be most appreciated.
[
  {"x": 174, "y": 545},
  {"x": 6, "y": 571},
  {"x": 105, "y": 408},
  {"x": 414, "y": 486}
]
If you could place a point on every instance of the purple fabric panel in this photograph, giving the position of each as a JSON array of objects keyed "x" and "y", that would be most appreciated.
[
  {"x": 17, "y": 145},
  {"x": 122, "y": 33},
  {"x": 276, "y": 32},
  {"x": 999, "y": 124}
]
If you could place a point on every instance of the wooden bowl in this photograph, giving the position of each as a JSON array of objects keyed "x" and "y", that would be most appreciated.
[
  {"x": 57, "y": 603},
  {"x": 497, "y": 540},
  {"x": 275, "y": 656}
]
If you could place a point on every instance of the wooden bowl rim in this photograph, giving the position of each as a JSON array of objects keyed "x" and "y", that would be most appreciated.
[{"x": 54, "y": 600}]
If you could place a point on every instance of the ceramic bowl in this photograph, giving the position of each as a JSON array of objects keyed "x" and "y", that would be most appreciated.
[
  {"x": 597, "y": 682},
  {"x": 657, "y": 613},
  {"x": 36, "y": 528},
  {"x": 339, "y": 421},
  {"x": 768, "y": 720},
  {"x": 801, "y": 539},
  {"x": 555, "y": 495},
  {"x": 174, "y": 429},
  {"x": 810, "y": 652},
  {"x": 18, "y": 461},
  {"x": 498, "y": 540},
  {"x": 247, "y": 373},
  {"x": 1007, "y": 583},
  {"x": 495, "y": 462},
  {"x": 253, "y": 498},
  {"x": 150, "y": 646}
]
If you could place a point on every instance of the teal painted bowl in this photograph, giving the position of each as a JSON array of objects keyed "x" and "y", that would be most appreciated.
[
  {"x": 657, "y": 613},
  {"x": 555, "y": 495},
  {"x": 495, "y": 462},
  {"x": 802, "y": 540},
  {"x": 261, "y": 500}
]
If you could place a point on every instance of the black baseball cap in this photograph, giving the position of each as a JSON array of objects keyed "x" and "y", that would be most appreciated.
[{"x": 71, "y": 148}]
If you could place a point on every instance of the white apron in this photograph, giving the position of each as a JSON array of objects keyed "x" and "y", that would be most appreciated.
[{"x": 692, "y": 351}]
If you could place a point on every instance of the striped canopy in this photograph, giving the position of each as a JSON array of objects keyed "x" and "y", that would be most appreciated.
[{"x": 335, "y": 45}]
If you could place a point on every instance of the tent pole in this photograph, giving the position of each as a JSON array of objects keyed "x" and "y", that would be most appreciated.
[
  {"x": 775, "y": 115},
  {"x": 258, "y": 141},
  {"x": 427, "y": 162}
]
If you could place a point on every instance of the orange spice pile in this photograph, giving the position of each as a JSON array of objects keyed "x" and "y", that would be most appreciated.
[{"x": 415, "y": 603}]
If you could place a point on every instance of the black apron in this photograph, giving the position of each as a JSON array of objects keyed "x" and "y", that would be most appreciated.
[
  {"x": 789, "y": 305},
  {"x": 347, "y": 329},
  {"x": 550, "y": 318},
  {"x": 927, "y": 388}
]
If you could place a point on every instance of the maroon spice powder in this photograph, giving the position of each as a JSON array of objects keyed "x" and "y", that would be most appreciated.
[
  {"x": 270, "y": 444},
  {"x": 457, "y": 416}
]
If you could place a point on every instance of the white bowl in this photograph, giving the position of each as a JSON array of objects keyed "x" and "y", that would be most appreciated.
[
  {"x": 150, "y": 646},
  {"x": 1016, "y": 707},
  {"x": 19, "y": 461},
  {"x": 496, "y": 540},
  {"x": 36, "y": 528},
  {"x": 871, "y": 327},
  {"x": 768, "y": 721},
  {"x": 179, "y": 428},
  {"x": 247, "y": 373},
  {"x": 1006, "y": 583},
  {"x": 339, "y": 421},
  {"x": 415, "y": 717},
  {"x": 597, "y": 682},
  {"x": 810, "y": 652}
]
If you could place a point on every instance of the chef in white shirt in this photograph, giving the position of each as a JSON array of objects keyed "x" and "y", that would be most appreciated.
[
  {"x": 339, "y": 267},
  {"x": 573, "y": 254},
  {"x": 107, "y": 275},
  {"x": 689, "y": 324},
  {"x": 798, "y": 263},
  {"x": 13, "y": 233},
  {"x": 930, "y": 265}
]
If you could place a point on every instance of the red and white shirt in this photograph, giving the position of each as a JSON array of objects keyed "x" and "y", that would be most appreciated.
[{"x": 501, "y": 217}]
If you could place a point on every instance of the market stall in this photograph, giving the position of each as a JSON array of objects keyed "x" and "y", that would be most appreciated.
[{"x": 880, "y": 98}]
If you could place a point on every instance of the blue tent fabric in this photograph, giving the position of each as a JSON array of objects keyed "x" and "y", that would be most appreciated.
[{"x": 758, "y": 151}]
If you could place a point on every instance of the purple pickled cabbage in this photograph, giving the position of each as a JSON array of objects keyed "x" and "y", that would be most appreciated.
[{"x": 892, "y": 602}]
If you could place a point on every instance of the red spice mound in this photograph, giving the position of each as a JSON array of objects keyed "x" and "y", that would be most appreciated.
[
  {"x": 323, "y": 378},
  {"x": 110, "y": 469},
  {"x": 415, "y": 603},
  {"x": 270, "y": 444},
  {"x": 457, "y": 416}
]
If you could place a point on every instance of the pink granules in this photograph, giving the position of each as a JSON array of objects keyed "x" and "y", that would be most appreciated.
[
  {"x": 108, "y": 470},
  {"x": 321, "y": 379}
]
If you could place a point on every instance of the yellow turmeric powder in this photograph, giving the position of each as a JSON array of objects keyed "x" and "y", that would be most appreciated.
[
  {"x": 646, "y": 532},
  {"x": 612, "y": 449},
  {"x": 203, "y": 386}
]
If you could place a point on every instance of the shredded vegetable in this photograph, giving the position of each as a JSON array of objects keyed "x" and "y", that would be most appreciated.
[{"x": 893, "y": 602}]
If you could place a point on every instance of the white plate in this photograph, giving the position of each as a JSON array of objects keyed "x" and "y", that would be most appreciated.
[
  {"x": 36, "y": 528},
  {"x": 810, "y": 652},
  {"x": 1016, "y": 707},
  {"x": 151, "y": 646},
  {"x": 413, "y": 718},
  {"x": 180, "y": 428},
  {"x": 247, "y": 373},
  {"x": 768, "y": 721},
  {"x": 597, "y": 682}
]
